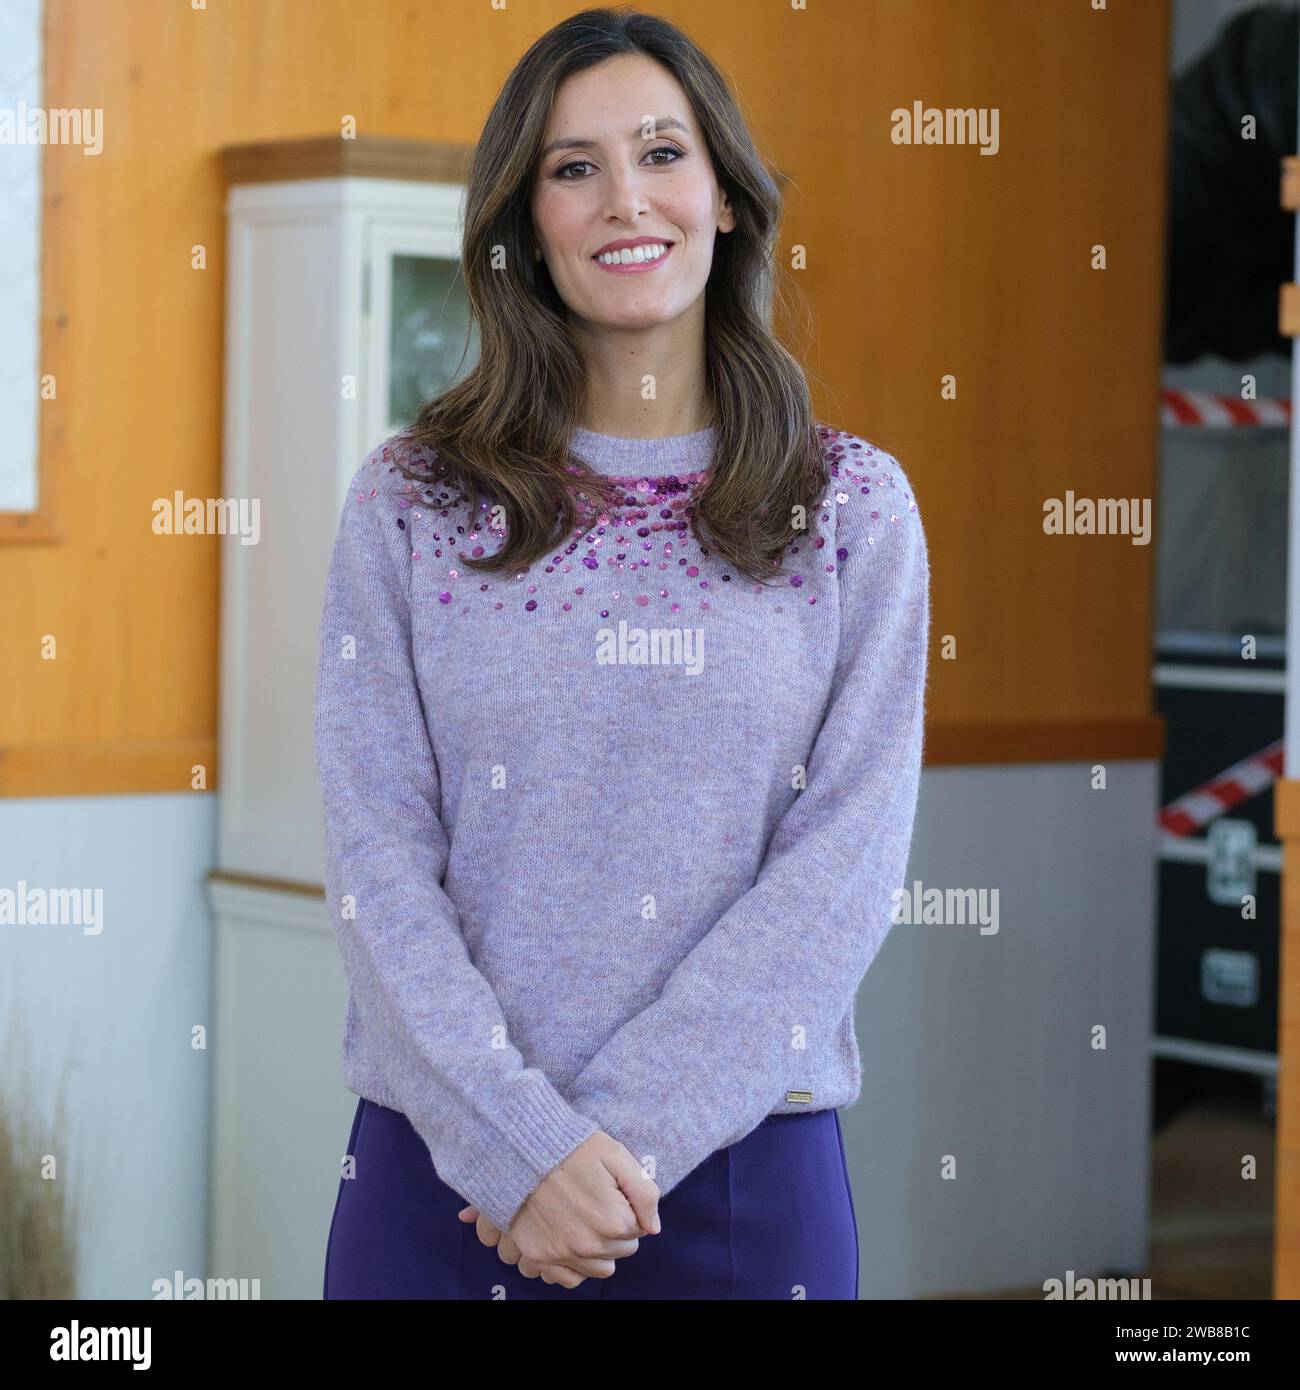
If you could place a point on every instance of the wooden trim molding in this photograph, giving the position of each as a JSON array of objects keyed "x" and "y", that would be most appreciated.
[
  {"x": 332, "y": 157},
  {"x": 1291, "y": 182},
  {"x": 1286, "y": 1193},
  {"x": 106, "y": 769},
  {"x": 1288, "y": 310},
  {"x": 39, "y": 525},
  {"x": 1046, "y": 741},
  {"x": 279, "y": 885},
  {"x": 1286, "y": 808}
]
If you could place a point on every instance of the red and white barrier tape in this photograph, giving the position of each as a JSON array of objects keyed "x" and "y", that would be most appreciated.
[
  {"x": 1202, "y": 409},
  {"x": 1230, "y": 788}
]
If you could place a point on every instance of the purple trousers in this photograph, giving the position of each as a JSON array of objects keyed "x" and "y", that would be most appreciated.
[{"x": 770, "y": 1217}]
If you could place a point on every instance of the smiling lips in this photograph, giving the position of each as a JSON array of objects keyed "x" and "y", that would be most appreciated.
[{"x": 633, "y": 257}]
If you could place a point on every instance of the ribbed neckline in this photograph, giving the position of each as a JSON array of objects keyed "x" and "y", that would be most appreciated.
[{"x": 673, "y": 455}]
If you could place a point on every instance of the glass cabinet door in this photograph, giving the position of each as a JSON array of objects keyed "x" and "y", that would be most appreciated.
[
  {"x": 432, "y": 342},
  {"x": 418, "y": 332}
]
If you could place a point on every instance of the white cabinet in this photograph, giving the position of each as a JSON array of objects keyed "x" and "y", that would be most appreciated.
[{"x": 344, "y": 310}]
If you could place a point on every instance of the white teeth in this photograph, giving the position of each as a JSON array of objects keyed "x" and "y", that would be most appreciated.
[{"x": 636, "y": 254}]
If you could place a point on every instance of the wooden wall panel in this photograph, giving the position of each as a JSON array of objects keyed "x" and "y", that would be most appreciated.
[{"x": 922, "y": 261}]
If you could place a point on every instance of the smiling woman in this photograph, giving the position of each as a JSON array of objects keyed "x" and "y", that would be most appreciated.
[
  {"x": 602, "y": 966},
  {"x": 615, "y": 130}
]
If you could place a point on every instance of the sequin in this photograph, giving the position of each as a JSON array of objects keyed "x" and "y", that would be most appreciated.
[{"x": 647, "y": 527}]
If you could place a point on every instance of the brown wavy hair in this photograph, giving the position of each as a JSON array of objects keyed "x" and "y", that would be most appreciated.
[{"x": 503, "y": 432}]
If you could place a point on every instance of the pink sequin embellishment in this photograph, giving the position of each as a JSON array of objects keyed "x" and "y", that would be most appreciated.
[{"x": 648, "y": 528}]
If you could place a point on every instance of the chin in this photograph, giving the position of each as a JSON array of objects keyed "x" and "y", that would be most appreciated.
[
  {"x": 640, "y": 321},
  {"x": 642, "y": 313}
]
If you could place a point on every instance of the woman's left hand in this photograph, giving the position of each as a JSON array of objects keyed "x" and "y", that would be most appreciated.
[{"x": 492, "y": 1235}]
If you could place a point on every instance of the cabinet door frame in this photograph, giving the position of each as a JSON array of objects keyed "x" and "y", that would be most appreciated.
[{"x": 434, "y": 232}]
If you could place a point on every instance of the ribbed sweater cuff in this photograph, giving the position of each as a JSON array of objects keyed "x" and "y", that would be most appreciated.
[{"x": 534, "y": 1130}]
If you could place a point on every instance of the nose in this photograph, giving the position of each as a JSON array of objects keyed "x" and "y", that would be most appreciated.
[{"x": 626, "y": 198}]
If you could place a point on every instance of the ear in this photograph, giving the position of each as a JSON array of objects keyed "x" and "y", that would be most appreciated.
[{"x": 726, "y": 218}]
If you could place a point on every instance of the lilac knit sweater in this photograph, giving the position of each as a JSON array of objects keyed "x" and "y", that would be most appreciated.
[{"x": 611, "y": 842}]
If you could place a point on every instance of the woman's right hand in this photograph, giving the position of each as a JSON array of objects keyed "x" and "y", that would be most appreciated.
[{"x": 586, "y": 1213}]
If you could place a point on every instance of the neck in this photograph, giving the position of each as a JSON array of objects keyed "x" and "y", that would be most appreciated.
[{"x": 620, "y": 362}]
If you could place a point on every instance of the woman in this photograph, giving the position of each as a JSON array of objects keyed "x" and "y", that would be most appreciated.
[{"x": 619, "y": 727}]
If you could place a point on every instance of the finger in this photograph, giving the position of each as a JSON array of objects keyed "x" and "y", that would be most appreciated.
[
  {"x": 488, "y": 1232},
  {"x": 611, "y": 1248},
  {"x": 509, "y": 1250},
  {"x": 561, "y": 1274},
  {"x": 468, "y": 1214},
  {"x": 591, "y": 1268},
  {"x": 643, "y": 1197}
]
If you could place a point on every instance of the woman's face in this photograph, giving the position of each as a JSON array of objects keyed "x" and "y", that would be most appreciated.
[{"x": 633, "y": 166}]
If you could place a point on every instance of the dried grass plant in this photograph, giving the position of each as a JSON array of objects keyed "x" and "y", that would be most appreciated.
[{"x": 38, "y": 1213}]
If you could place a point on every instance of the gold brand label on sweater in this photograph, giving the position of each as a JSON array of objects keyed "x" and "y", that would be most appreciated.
[{"x": 799, "y": 1097}]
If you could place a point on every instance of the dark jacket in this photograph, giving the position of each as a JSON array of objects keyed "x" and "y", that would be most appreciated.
[{"x": 1230, "y": 244}]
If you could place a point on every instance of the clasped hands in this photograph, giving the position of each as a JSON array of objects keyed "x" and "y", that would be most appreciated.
[{"x": 587, "y": 1212}]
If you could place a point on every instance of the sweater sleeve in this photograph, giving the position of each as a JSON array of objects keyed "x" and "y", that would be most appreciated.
[
  {"x": 494, "y": 1127},
  {"x": 714, "y": 1054}
]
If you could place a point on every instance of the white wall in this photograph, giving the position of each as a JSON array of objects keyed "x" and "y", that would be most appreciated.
[
  {"x": 980, "y": 1046},
  {"x": 114, "y": 1013}
]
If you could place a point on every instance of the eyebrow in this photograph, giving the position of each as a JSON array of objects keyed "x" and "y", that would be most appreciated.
[{"x": 574, "y": 142}]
